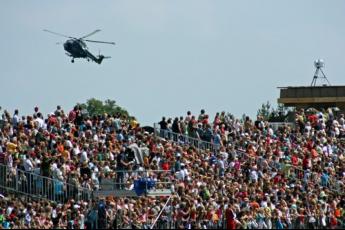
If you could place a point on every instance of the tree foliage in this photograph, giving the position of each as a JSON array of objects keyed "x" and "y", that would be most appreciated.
[
  {"x": 268, "y": 113},
  {"x": 97, "y": 107},
  {"x": 265, "y": 110}
]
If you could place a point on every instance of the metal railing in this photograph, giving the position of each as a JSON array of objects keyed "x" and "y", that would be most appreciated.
[
  {"x": 276, "y": 125},
  {"x": 34, "y": 185},
  {"x": 183, "y": 140}
]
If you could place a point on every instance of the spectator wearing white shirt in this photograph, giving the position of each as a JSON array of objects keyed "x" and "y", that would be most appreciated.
[
  {"x": 83, "y": 156},
  {"x": 28, "y": 165},
  {"x": 68, "y": 142},
  {"x": 183, "y": 173},
  {"x": 76, "y": 150},
  {"x": 57, "y": 173},
  {"x": 16, "y": 118},
  {"x": 38, "y": 119},
  {"x": 327, "y": 150},
  {"x": 254, "y": 176}
]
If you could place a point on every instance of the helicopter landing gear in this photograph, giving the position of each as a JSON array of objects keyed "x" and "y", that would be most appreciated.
[
  {"x": 88, "y": 60},
  {"x": 72, "y": 60}
]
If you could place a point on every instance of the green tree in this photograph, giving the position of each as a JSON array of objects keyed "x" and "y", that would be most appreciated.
[
  {"x": 278, "y": 114},
  {"x": 97, "y": 107},
  {"x": 265, "y": 110}
]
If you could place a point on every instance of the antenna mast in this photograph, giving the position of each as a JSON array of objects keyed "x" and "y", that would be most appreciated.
[{"x": 319, "y": 64}]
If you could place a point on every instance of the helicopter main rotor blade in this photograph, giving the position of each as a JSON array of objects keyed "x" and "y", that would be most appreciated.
[
  {"x": 62, "y": 35},
  {"x": 88, "y": 35},
  {"x": 112, "y": 43}
]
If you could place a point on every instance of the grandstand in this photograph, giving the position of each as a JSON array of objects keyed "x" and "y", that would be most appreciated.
[{"x": 108, "y": 172}]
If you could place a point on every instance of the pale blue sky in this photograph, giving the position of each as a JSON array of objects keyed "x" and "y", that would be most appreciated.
[{"x": 171, "y": 56}]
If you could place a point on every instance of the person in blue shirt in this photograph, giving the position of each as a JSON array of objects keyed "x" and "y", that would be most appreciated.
[
  {"x": 120, "y": 136},
  {"x": 324, "y": 178},
  {"x": 177, "y": 166},
  {"x": 102, "y": 215},
  {"x": 217, "y": 139},
  {"x": 213, "y": 159}
]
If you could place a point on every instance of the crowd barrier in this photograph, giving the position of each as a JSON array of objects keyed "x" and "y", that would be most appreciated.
[
  {"x": 183, "y": 140},
  {"x": 37, "y": 186},
  {"x": 276, "y": 125}
]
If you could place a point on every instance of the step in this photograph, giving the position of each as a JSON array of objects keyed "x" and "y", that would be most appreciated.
[
  {"x": 115, "y": 192},
  {"x": 159, "y": 192}
]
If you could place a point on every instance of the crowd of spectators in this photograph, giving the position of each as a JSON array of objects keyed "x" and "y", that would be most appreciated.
[
  {"x": 76, "y": 151},
  {"x": 255, "y": 177}
]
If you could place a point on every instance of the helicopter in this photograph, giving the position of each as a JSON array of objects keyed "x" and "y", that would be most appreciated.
[{"x": 76, "y": 47}]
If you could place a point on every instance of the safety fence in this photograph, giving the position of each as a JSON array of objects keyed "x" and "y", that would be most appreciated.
[
  {"x": 13, "y": 180},
  {"x": 199, "y": 143},
  {"x": 276, "y": 125},
  {"x": 31, "y": 184},
  {"x": 184, "y": 140}
]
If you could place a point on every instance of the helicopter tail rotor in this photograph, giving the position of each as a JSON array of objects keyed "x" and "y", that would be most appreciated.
[{"x": 101, "y": 57}]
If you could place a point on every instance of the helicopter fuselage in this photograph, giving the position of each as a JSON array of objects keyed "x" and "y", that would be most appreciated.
[{"x": 76, "y": 48}]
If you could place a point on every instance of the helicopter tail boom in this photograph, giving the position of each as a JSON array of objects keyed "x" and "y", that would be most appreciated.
[
  {"x": 100, "y": 59},
  {"x": 97, "y": 59}
]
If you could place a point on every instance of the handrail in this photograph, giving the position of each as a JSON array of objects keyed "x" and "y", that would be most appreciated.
[
  {"x": 200, "y": 143},
  {"x": 48, "y": 178},
  {"x": 276, "y": 125},
  {"x": 35, "y": 185}
]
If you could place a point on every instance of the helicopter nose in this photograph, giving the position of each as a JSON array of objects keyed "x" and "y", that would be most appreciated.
[{"x": 67, "y": 46}]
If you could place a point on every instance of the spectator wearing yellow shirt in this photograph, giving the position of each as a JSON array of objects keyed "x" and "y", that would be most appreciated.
[
  {"x": 134, "y": 123},
  {"x": 11, "y": 147},
  {"x": 66, "y": 154}
]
